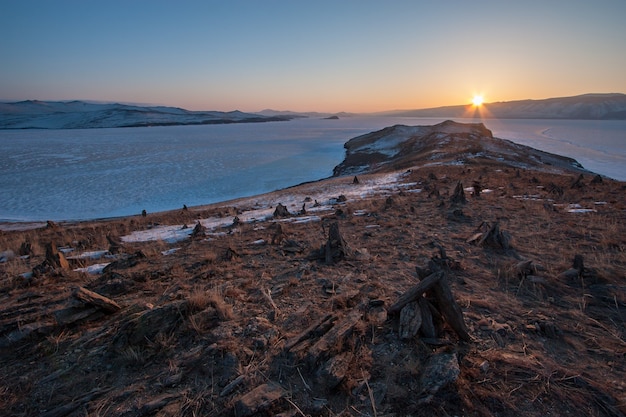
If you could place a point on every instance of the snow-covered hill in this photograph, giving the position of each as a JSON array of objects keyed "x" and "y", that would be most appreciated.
[
  {"x": 82, "y": 115},
  {"x": 586, "y": 106}
]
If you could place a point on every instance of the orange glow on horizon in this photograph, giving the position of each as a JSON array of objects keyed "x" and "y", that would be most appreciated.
[{"x": 477, "y": 100}]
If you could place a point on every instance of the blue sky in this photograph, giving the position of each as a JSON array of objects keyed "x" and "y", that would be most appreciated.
[{"x": 304, "y": 56}]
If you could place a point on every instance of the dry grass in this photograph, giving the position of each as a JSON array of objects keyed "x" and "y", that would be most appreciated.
[{"x": 194, "y": 321}]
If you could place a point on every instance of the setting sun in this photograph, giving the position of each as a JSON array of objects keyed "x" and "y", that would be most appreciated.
[{"x": 477, "y": 100}]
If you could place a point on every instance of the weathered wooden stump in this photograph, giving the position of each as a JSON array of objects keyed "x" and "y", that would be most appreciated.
[
  {"x": 281, "y": 211},
  {"x": 458, "y": 197},
  {"x": 55, "y": 258}
]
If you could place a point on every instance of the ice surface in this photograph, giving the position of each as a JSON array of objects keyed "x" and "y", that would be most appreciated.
[{"x": 96, "y": 173}]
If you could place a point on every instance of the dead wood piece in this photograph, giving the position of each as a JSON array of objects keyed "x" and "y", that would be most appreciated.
[
  {"x": 259, "y": 399},
  {"x": 198, "y": 231},
  {"x": 333, "y": 341},
  {"x": 55, "y": 258},
  {"x": 115, "y": 246},
  {"x": 428, "y": 326},
  {"x": 281, "y": 211},
  {"x": 579, "y": 182},
  {"x": 334, "y": 370},
  {"x": 156, "y": 404},
  {"x": 279, "y": 235},
  {"x": 524, "y": 268},
  {"x": 415, "y": 292},
  {"x": 495, "y": 238},
  {"x": 232, "y": 385},
  {"x": 410, "y": 320},
  {"x": 336, "y": 247},
  {"x": 458, "y": 197},
  {"x": 73, "y": 315},
  {"x": 95, "y": 299},
  {"x": 450, "y": 310},
  {"x": 126, "y": 262},
  {"x": 315, "y": 330}
]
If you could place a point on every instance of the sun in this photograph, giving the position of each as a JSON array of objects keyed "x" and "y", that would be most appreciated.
[{"x": 477, "y": 101}]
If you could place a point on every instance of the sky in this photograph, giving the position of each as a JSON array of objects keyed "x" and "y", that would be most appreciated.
[{"x": 328, "y": 56}]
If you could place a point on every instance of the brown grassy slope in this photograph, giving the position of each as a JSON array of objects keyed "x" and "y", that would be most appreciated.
[{"x": 202, "y": 327}]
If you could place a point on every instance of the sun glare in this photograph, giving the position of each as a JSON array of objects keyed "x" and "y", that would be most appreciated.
[{"x": 477, "y": 100}]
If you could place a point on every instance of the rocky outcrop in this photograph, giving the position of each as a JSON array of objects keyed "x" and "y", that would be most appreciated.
[{"x": 447, "y": 143}]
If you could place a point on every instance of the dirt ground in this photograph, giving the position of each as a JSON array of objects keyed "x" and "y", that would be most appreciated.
[{"x": 260, "y": 320}]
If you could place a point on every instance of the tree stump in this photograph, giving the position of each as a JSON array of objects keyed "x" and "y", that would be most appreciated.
[
  {"x": 55, "y": 258},
  {"x": 198, "y": 231},
  {"x": 281, "y": 211},
  {"x": 458, "y": 197},
  {"x": 336, "y": 247},
  {"x": 495, "y": 238}
]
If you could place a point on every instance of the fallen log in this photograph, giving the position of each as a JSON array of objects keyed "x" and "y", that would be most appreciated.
[
  {"x": 95, "y": 299},
  {"x": 317, "y": 329},
  {"x": 415, "y": 292}
]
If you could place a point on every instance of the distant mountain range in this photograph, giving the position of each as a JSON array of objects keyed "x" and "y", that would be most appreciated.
[
  {"x": 33, "y": 114},
  {"x": 587, "y": 106},
  {"x": 82, "y": 115}
]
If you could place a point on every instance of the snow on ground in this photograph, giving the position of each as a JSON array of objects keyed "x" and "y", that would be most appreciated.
[{"x": 324, "y": 200}]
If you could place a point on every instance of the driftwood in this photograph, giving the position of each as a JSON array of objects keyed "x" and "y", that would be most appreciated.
[
  {"x": 415, "y": 292},
  {"x": 96, "y": 300}
]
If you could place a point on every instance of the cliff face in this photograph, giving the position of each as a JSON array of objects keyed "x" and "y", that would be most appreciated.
[{"x": 446, "y": 143}]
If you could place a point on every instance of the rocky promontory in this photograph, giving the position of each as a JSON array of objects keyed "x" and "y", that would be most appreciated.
[{"x": 446, "y": 143}]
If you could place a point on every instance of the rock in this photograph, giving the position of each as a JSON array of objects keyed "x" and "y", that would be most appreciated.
[
  {"x": 440, "y": 370},
  {"x": 259, "y": 399},
  {"x": 6, "y": 256}
]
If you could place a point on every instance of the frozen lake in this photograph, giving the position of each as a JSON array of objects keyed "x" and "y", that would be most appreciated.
[{"x": 97, "y": 173}]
